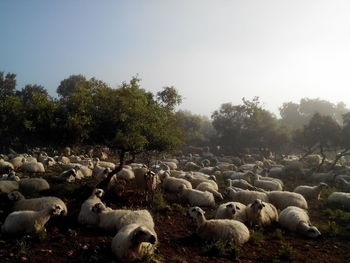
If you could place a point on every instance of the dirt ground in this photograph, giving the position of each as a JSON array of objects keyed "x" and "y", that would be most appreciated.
[{"x": 67, "y": 241}]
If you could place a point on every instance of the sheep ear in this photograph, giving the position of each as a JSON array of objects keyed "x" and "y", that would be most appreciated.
[
  {"x": 263, "y": 205},
  {"x": 237, "y": 207}
]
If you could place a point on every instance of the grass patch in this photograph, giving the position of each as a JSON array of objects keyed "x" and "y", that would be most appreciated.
[
  {"x": 222, "y": 249},
  {"x": 256, "y": 237},
  {"x": 158, "y": 202},
  {"x": 286, "y": 252}
]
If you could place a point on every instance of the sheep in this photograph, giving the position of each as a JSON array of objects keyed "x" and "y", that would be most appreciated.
[
  {"x": 310, "y": 192},
  {"x": 196, "y": 180},
  {"x": 171, "y": 165},
  {"x": 209, "y": 170},
  {"x": 230, "y": 210},
  {"x": 5, "y": 167},
  {"x": 26, "y": 222},
  {"x": 196, "y": 197},
  {"x": 100, "y": 172},
  {"x": 283, "y": 199},
  {"x": 33, "y": 185},
  {"x": 145, "y": 180},
  {"x": 297, "y": 220},
  {"x": 322, "y": 177},
  {"x": 113, "y": 220},
  {"x": 259, "y": 214},
  {"x": 8, "y": 186},
  {"x": 82, "y": 171},
  {"x": 266, "y": 185},
  {"x": 32, "y": 167},
  {"x": 191, "y": 166},
  {"x": 172, "y": 184},
  {"x": 17, "y": 161},
  {"x": 277, "y": 172},
  {"x": 244, "y": 196},
  {"x": 345, "y": 185},
  {"x": 240, "y": 175},
  {"x": 68, "y": 175},
  {"x": 243, "y": 184},
  {"x": 10, "y": 177},
  {"x": 133, "y": 242},
  {"x": 225, "y": 230},
  {"x": 340, "y": 199},
  {"x": 205, "y": 186},
  {"x": 86, "y": 216},
  {"x": 126, "y": 174},
  {"x": 104, "y": 164},
  {"x": 35, "y": 204}
]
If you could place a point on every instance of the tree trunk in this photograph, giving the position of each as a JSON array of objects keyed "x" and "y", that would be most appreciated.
[
  {"x": 104, "y": 183},
  {"x": 323, "y": 158}
]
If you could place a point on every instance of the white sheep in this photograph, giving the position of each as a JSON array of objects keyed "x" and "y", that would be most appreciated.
[
  {"x": 260, "y": 214},
  {"x": 32, "y": 167},
  {"x": 17, "y": 161},
  {"x": 172, "y": 184},
  {"x": 311, "y": 192},
  {"x": 225, "y": 230},
  {"x": 133, "y": 242},
  {"x": 243, "y": 184},
  {"x": 244, "y": 196},
  {"x": 283, "y": 199},
  {"x": 5, "y": 166},
  {"x": 8, "y": 186},
  {"x": 35, "y": 204},
  {"x": 82, "y": 171},
  {"x": 197, "y": 179},
  {"x": 230, "y": 210},
  {"x": 100, "y": 172},
  {"x": 266, "y": 185},
  {"x": 104, "y": 164},
  {"x": 340, "y": 199},
  {"x": 126, "y": 174},
  {"x": 297, "y": 220},
  {"x": 33, "y": 185},
  {"x": 68, "y": 175},
  {"x": 114, "y": 220},
  {"x": 196, "y": 197},
  {"x": 345, "y": 185},
  {"x": 26, "y": 222},
  {"x": 323, "y": 177},
  {"x": 86, "y": 216},
  {"x": 206, "y": 186}
]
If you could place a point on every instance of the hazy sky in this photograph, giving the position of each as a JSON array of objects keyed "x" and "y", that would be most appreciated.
[{"x": 213, "y": 52}]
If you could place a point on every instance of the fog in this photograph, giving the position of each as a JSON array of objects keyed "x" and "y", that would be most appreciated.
[{"x": 212, "y": 52}]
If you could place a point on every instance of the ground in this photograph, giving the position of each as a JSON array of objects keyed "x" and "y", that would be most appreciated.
[{"x": 67, "y": 241}]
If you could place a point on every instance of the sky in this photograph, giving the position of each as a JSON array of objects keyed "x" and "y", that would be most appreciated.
[{"x": 211, "y": 51}]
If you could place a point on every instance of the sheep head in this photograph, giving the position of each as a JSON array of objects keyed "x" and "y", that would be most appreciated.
[
  {"x": 56, "y": 209},
  {"x": 98, "y": 208},
  {"x": 98, "y": 192},
  {"x": 142, "y": 234},
  {"x": 195, "y": 212},
  {"x": 313, "y": 232}
]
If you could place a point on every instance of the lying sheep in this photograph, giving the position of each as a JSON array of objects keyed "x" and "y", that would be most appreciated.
[
  {"x": 126, "y": 174},
  {"x": 32, "y": 167},
  {"x": 244, "y": 196},
  {"x": 68, "y": 175},
  {"x": 35, "y": 204},
  {"x": 113, "y": 220},
  {"x": 196, "y": 197},
  {"x": 133, "y": 242},
  {"x": 172, "y": 184},
  {"x": 259, "y": 214},
  {"x": 197, "y": 179},
  {"x": 322, "y": 177},
  {"x": 340, "y": 199},
  {"x": 225, "y": 230},
  {"x": 33, "y": 185},
  {"x": 26, "y": 222},
  {"x": 345, "y": 185},
  {"x": 297, "y": 220},
  {"x": 206, "y": 186},
  {"x": 8, "y": 186},
  {"x": 311, "y": 192},
  {"x": 283, "y": 199},
  {"x": 10, "y": 177},
  {"x": 86, "y": 216},
  {"x": 5, "y": 166},
  {"x": 230, "y": 210},
  {"x": 17, "y": 161},
  {"x": 243, "y": 184},
  {"x": 104, "y": 164}
]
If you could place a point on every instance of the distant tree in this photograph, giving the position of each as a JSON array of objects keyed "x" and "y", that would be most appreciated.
[
  {"x": 7, "y": 85},
  {"x": 27, "y": 93},
  {"x": 169, "y": 97},
  {"x": 290, "y": 115},
  {"x": 69, "y": 85}
]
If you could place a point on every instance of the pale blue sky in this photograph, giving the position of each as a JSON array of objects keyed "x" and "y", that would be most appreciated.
[{"x": 213, "y": 52}]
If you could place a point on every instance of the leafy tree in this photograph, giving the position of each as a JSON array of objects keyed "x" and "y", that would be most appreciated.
[
  {"x": 27, "y": 93},
  {"x": 290, "y": 114},
  {"x": 7, "y": 85},
  {"x": 69, "y": 85}
]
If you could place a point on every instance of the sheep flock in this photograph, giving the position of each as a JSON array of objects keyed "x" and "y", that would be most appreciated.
[{"x": 185, "y": 207}]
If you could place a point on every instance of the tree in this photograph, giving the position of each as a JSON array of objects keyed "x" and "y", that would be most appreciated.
[
  {"x": 69, "y": 85},
  {"x": 7, "y": 85},
  {"x": 290, "y": 115},
  {"x": 27, "y": 93}
]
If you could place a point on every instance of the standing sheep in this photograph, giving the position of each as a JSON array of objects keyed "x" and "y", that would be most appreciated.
[
  {"x": 225, "y": 230},
  {"x": 26, "y": 222},
  {"x": 196, "y": 197},
  {"x": 265, "y": 184},
  {"x": 172, "y": 184},
  {"x": 311, "y": 192},
  {"x": 297, "y": 220},
  {"x": 133, "y": 242},
  {"x": 33, "y": 185},
  {"x": 206, "y": 186},
  {"x": 244, "y": 196}
]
